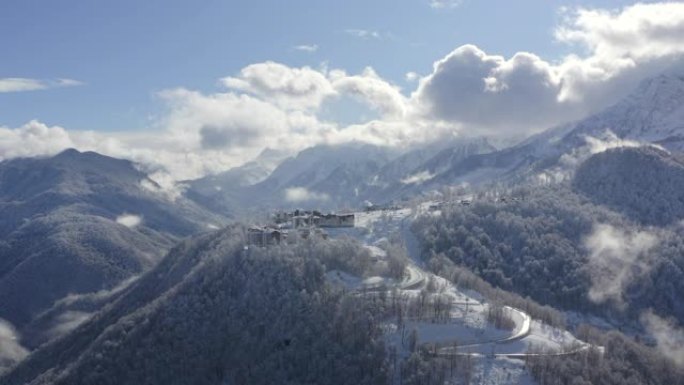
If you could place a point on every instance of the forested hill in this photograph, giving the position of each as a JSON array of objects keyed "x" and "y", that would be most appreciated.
[
  {"x": 644, "y": 183},
  {"x": 214, "y": 313},
  {"x": 564, "y": 250},
  {"x": 80, "y": 222}
]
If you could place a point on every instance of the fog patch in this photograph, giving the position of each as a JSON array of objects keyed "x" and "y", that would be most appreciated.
[
  {"x": 420, "y": 177},
  {"x": 98, "y": 295},
  {"x": 616, "y": 258},
  {"x": 568, "y": 163},
  {"x": 129, "y": 220},
  {"x": 11, "y": 351},
  {"x": 66, "y": 322},
  {"x": 163, "y": 184},
  {"x": 669, "y": 337},
  {"x": 301, "y": 194}
]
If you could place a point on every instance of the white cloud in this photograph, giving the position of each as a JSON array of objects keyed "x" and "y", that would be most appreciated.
[
  {"x": 364, "y": 33},
  {"x": 373, "y": 90},
  {"x": 568, "y": 162},
  {"x": 306, "y": 47},
  {"x": 10, "y": 350},
  {"x": 129, "y": 220},
  {"x": 411, "y": 77},
  {"x": 33, "y": 139},
  {"x": 616, "y": 258},
  {"x": 490, "y": 94},
  {"x": 66, "y": 322},
  {"x": 525, "y": 93},
  {"x": 438, "y": 4},
  {"x": 468, "y": 92},
  {"x": 28, "y": 84},
  {"x": 419, "y": 177},
  {"x": 301, "y": 194},
  {"x": 669, "y": 337},
  {"x": 287, "y": 87}
]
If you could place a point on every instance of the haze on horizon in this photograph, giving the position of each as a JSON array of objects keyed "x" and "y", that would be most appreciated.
[{"x": 190, "y": 90}]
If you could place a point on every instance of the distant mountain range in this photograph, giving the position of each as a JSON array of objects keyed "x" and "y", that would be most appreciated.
[
  {"x": 79, "y": 223},
  {"x": 339, "y": 176},
  {"x": 348, "y": 175}
]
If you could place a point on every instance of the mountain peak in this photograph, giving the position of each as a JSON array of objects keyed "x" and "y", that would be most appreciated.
[
  {"x": 69, "y": 152},
  {"x": 654, "y": 113}
]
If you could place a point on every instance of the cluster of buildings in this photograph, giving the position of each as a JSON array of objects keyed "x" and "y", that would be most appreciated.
[
  {"x": 298, "y": 224},
  {"x": 441, "y": 205},
  {"x": 313, "y": 218}
]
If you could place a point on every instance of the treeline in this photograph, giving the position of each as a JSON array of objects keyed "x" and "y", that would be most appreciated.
[
  {"x": 463, "y": 278},
  {"x": 622, "y": 362}
]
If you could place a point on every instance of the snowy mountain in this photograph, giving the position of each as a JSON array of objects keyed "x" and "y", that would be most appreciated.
[
  {"x": 81, "y": 222},
  {"x": 247, "y": 174},
  {"x": 342, "y": 176},
  {"x": 653, "y": 113}
]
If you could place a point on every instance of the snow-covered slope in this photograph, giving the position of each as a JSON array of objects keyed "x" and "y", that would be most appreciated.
[
  {"x": 81, "y": 222},
  {"x": 654, "y": 113}
]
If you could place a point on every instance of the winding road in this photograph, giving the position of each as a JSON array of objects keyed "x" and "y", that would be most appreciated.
[{"x": 416, "y": 279}]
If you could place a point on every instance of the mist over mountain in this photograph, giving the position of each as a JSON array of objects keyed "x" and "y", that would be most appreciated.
[
  {"x": 429, "y": 192},
  {"x": 339, "y": 176},
  {"x": 81, "y": 222},
  {"x": 651, "y": 113},
  {"x": 212, "y": 312}
]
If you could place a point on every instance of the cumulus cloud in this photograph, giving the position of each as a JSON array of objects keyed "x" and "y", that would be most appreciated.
[
  {"x": 491, "y": 94},
  {"x": 668, "y": 336},
  {"x": 616, "y": 257},
  {"x": 302, "y": 194},
  {"x": 11, "y": 351},
  {"x": 285, "y": 86},
  {"x": 373, "y": 90},
  {"x": 33, "y": 139},
  {"x": 469, "y": 92},
  {"x": 28, "y": 84},
  {"x": 525, "y": 93},
  {"x": 129, "y": 220}
]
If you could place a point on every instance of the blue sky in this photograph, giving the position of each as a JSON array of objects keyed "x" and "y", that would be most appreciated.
[
  {"x": 126, "y": 51},
  {"x": 196, "y": 87}
]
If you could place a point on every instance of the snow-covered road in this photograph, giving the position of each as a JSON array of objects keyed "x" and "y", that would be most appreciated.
[{"x": 467, "y": 332}]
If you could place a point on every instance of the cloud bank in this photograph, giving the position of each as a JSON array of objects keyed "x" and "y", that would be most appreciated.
[{"x": 468, "y": 92}]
